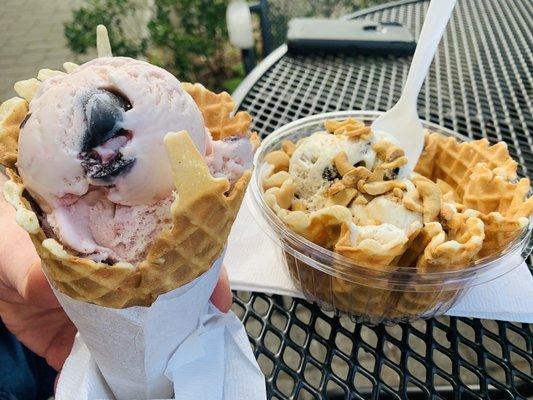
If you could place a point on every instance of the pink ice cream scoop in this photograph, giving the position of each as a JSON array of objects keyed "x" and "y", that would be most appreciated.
[
  {"x": 106, "y": 118},
  {"x": 229, "y": 157},
  {"x": 91, "y": 153}
]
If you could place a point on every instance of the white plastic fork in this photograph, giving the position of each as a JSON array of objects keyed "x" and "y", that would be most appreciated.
[{"x": 401, "y": 121}]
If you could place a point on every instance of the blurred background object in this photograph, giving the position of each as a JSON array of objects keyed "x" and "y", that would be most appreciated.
[
  {"x": 128, "y": 20},
  {"x": 241, "y": 31},
  {"x": 31, "y": 37},
  {"x": 187, "y": 37}
]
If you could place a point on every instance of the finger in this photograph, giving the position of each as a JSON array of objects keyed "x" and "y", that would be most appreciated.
[
  {"x": 222, "y": 297},
  {"x": 37, "y": 290},
  {"x": 61, "y": 347}
]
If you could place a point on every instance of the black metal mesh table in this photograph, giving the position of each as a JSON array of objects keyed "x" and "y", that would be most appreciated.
[{"x": 480, "y": 84}]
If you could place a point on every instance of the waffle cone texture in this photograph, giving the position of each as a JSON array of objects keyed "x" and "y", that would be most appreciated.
[
  {"x": 481, "y": 178},
  {"x": 203, "y": 211}
]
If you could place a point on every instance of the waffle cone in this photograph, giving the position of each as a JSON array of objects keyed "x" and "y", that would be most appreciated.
[
  {"x": 12, "y": 113},
  {"x": 487, "y": 192},
  {"x": 452, "y": 161},
  {"x": 217, "y": 108},
  {"x": 482, "y": 178},
  {"x": 416, "y": 303},
  {"x": 455, "y": 248},
  {"x": 370, "y": 295},
  {"x": 500, "y": 231},
  {"x": 417, "y": 247},
  {"x": 203, "y": 212},
  {"x": 438, "y": 249},
  {"x": 371, "y": 253},
  {"x": 322, "y": 227},
  {"x": 502, "y": 205}
]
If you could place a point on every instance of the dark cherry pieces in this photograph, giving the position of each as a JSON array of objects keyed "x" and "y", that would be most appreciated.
[{"x": 104, "y": 113}]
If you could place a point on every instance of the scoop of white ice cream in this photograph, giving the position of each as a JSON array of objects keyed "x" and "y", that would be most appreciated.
[
  {"x": 103, "y": 125},
  {"x": 386, "y": 235},
  {"x": 311, "y": 164},
  {"x": 384, "y": 210}
]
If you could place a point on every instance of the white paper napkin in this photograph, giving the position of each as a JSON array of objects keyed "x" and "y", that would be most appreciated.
[
  {"x": 181, "y": 344},
  {"x": 256, "y": 263}
]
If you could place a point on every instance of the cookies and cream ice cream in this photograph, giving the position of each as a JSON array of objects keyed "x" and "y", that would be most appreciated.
[
  {"x": 312, "y": 166},
  {"x": 91, "y": 154}
]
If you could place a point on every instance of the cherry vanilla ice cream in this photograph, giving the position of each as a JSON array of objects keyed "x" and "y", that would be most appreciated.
[{"x": 91, "y": 153}]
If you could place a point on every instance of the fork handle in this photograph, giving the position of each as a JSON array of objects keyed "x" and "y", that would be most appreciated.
[{"x": 437, "y": 17}]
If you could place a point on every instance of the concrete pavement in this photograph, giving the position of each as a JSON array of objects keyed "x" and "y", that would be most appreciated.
[{"x": 31, "y": 38}]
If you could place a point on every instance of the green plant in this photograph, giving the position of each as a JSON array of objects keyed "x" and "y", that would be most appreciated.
[
  {"x": 81, "y": 33},
  {"x": 186, "y": 37},
  {"x": 190, "y": 39}
]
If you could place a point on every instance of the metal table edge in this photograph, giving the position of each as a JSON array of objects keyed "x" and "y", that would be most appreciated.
[{"x": 249, "y": 81}]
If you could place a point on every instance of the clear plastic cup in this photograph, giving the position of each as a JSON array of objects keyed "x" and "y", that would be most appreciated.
[{"x": 376, "y": 295}]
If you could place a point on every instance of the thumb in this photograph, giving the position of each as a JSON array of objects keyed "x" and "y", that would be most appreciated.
[
  {"x": 37, "y": 290},
  {"x": 222, "y": 297}
]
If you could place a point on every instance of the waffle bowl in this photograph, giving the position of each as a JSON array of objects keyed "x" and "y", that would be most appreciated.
[{"x": 396, "y": 292}]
